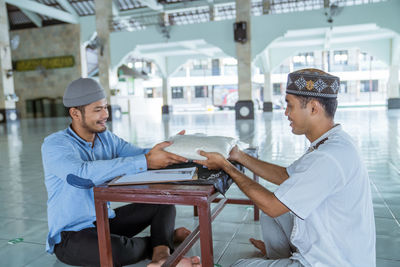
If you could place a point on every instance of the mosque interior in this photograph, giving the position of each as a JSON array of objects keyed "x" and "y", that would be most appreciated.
[{"x": 172, "y": 65}]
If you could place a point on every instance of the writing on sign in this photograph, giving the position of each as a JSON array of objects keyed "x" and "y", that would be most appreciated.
[{"x": 46, "y": 63}]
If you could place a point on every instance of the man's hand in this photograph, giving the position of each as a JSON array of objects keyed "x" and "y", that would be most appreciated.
[
  {"x": 235, "y": 154},
  {"x": 215, "y": 161},
  {"x": 182, "y": 132},
  {"x": 157, "y": 158}
]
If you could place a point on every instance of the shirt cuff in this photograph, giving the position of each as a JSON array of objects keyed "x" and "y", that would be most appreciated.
[{"x": 139, "y": 163}]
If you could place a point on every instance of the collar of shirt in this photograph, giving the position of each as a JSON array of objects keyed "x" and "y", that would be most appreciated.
[
  {"x": 71, "y": 132},
  {"x": 314, "y": 145}
]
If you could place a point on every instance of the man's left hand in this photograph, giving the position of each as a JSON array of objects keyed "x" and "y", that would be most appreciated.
[{"x": 215, "y": 161}]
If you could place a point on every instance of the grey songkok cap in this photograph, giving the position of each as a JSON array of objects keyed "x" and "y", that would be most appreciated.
[{"x": 83, "y": 92}]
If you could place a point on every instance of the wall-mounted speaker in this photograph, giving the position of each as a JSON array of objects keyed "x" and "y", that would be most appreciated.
[{"x": 240, "y": 31}]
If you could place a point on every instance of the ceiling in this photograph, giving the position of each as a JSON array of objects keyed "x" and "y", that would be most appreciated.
[{"x": 138, "y": 14}]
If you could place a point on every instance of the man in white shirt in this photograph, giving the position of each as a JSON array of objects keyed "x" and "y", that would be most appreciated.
[{"x": 321, "y": 214}]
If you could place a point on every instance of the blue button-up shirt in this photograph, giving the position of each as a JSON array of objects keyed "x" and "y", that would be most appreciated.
[{"x": 70, "y": 208}]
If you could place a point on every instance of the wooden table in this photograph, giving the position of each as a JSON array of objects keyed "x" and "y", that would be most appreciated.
[{"x": 199, "y": 196}]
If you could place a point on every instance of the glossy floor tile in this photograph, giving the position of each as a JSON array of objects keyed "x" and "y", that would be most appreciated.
[{"x": 23, "y": 195}]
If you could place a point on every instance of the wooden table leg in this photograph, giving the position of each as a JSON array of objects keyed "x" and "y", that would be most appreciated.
[
  {"x": 206, "y": 244},
  {"x": 256, "y": 210},
  {"x": 103, "y": 232}
]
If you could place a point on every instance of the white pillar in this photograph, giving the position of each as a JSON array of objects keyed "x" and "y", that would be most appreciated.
[
  {"x": 393, "y": 82},
  {"x": 267, "y": 106},
  {"x": 393, "y": 87},
  {"x": 166, "y": 92},
  {"x": 7, "y": 94},
  {"x": 244, "y": 107},
  {"x": 325, "y": 61},
  {"x": 267, "y": 90}
]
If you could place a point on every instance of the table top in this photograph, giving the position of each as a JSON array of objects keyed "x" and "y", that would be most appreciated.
[{"x": 158, "y": 189}]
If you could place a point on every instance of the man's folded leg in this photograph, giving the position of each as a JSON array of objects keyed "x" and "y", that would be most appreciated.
[
  {"x": 134, "y": 218},
  {"x": 81, "y": 248},
  {"x": 276, "y": 235}
]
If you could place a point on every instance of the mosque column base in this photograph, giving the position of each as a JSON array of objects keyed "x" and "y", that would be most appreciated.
[
  {"x": 394, "y": 103},
  {"x": 8, "y": 115},
  {"x": 267, "y": 106},
  {"x": 166, "y": 109},
  {"x": 244, "y": 110}
]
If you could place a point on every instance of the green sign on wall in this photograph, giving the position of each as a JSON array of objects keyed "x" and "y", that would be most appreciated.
[{"x": 47, "y": 63}]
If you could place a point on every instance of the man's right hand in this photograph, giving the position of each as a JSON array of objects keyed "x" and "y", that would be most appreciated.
[
  {"x": 157, "y": 158},
  {"x": 235, "y": 154}
]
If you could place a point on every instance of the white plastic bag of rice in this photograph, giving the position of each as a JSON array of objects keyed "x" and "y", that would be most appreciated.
[{"x": 188, "y": 145}]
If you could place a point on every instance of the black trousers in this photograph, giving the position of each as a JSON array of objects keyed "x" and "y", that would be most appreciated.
[{"x": 81, "y": 248}]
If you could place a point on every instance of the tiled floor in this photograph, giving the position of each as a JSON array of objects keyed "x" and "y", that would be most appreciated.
[{"x": 23, "y": 195}]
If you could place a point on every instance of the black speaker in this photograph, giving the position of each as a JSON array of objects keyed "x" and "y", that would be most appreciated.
[{"x": 239, "y": 30}]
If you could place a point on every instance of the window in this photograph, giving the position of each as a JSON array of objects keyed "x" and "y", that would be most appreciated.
[
  {"x": 276, "y": 89},
  {"x": 215, "y": 70},
  {"x": 177, "y": 92},
  {"x": 340, "y": 57},
  {"x": 229, "y": 61},
  {"x": 150, "y": 92},
  {"x": 303, "y": 59},
  {"x": 200, "y": 91},
  {"x": 369, "y": 86},
  {"x": 343, "y": 87},
  {"x": 200, "y": 64},
  {"x": 364, "y": 56}
]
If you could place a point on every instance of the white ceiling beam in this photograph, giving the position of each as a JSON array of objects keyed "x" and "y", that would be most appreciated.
[
  {"x": 33, "y": 17},
  {"x": 153, "y": 4},
  {"x": 44, "y": 10},
  {"x": 179, "y": 51},
  {"x": 194, "y": 48},
  {"x": 67, "y": 6},
  {"x": 171, "y": 8},
  {"x": 364, "y": 37},
  {"x": 329, "y": 39}
]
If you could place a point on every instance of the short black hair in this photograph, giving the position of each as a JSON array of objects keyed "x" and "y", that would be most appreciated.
[
  {"x": 329, "y": 104},
  {"x": 80, "y": 108}
]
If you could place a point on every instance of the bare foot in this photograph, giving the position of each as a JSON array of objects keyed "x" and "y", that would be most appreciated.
[
  {"x": 180, "y": 234},
  {"x": 259, "y": 245},
  {"x": 185, "y": 262}
]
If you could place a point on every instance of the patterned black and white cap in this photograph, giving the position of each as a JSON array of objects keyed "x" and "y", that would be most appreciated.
[{"x": 313, "y": 82}]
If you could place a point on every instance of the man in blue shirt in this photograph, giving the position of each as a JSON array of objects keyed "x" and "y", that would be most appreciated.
[{"x": 88, "y": 150}]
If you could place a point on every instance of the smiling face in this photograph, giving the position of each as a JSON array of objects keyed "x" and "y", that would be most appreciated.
[
  {"x": 298, "y": 115},
  {"x": 95, "y": 117},
  {"x": 90, "y": 119}
]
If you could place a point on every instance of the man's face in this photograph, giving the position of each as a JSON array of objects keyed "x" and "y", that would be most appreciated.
[
  {"x": 297, "y": 115},
  {"x": 95, "y": 117}
]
